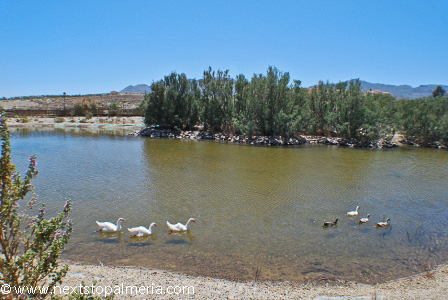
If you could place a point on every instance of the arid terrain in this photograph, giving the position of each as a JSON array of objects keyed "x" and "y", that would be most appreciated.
[{"x": 125, "y": 101}]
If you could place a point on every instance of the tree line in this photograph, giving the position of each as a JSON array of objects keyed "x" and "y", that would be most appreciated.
[{"x": 274, "y": 104}]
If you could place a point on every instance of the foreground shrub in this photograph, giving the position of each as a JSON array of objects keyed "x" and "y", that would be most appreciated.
[{"x": 31, "y": 245}]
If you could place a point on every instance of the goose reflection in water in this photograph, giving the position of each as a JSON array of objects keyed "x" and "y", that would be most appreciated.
[
  {"x": 142, "y": 240},
  {"x": 179, "y": 234},
  {"x": 110, "y": 237}
]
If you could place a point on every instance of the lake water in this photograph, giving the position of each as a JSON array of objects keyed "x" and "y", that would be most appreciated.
[{"x": 259, "y": 210}]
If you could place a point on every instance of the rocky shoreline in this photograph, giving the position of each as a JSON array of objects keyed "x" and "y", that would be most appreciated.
[
  {"x": 135, "y": 126},
  {"x": 262, "y": 140},
  {"x": 417, "y": 142}
]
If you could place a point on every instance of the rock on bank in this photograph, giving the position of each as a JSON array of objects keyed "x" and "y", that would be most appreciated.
[{"x": 262, "y": 140}]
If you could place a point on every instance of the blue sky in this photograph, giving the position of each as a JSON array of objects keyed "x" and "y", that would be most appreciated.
[{"x": 96, "y": 46}]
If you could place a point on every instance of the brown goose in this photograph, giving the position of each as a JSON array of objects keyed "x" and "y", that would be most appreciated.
[{"x": 330, "y": 224}]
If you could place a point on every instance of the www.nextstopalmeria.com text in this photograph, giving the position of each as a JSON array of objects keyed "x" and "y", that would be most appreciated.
[{"x": 99, "y": 290}]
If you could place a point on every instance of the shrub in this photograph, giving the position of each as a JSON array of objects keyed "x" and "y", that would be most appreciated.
[
  {"x": 31, "y": 245},
  {"x": 79, "y": 109},
  {"x": 59, "y": 120},
  {"x": 24, "y": 119},
  {"x": 88, "y": 115},
  {"x": 113, "y": 109}
]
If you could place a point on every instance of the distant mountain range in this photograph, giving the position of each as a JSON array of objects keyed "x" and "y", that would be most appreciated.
[
  {"x": 402, "y": 91},
  {"x": 399, "y": 91}
]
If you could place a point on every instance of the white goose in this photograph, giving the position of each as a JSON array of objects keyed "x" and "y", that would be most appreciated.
[
  {"x": 353, "y": 212},
  {"x": 141, "y": 230},
  {"x": 383, "y": 224},
  {"x": 110, "y": 227},
  {"x": 179, "y": 227},
  {"x": 364, "y": 220}
]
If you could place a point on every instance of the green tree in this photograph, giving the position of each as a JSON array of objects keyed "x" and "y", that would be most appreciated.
[
  {"x": 438, "y": 92},
  {"x": 156, "y": 112},
  {"x": 319, "y": 105},
  {"x": 180, "y": 99},
  {"x": 173, "y": 103},
  {"x": 424, "y": 119},
  {"x": 298, "y": 109},
  {"x": 269, "y": 103},
  {"x": 380, "y": 116},
  {"x": 217, "y": 100}
]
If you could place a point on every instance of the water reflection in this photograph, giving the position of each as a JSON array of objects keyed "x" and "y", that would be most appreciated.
[
  {"x": 177, "y": 237},
  {"x": 142, "y": 240},
  {"x": 110, "y": 237}
]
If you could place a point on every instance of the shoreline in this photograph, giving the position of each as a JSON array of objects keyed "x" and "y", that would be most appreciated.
[
  {"x": 432, "y": 284},
  {"x": 135, "y": 127}
]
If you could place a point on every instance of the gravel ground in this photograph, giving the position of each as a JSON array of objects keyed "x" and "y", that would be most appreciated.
[{"x": 144, "y": 283}]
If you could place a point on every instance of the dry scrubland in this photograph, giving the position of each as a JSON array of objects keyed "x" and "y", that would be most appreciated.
[{"x": 125, "y": 101}]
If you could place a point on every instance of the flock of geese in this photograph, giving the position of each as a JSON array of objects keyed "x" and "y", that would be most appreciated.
[
  {"x": 142, "y": 230},
  {"x": 179, "y": 227},
  {"x": 360, "y": 221}
]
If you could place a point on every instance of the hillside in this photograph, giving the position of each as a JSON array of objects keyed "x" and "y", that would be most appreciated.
[
  {"x": 138, "y": 89},
  {"x": 124, "y": 101}
]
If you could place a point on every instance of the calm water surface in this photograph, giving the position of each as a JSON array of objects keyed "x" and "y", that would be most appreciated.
[{"x": 257, "y": 208}]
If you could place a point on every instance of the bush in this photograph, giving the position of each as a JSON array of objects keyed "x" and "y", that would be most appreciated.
[
  {"x": 88, "y": 115},
  {"x": 24, "y": 119},
  {"x": 59, "y": 120},
  {"x": 31, "y": 245},
  {"x": 113, "y": 109},
  {"x": 79, "y": 109}
]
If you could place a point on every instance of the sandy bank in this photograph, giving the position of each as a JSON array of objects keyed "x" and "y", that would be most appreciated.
[
  {"x": 126, "y": 123},
  {"x": 432, "y": 285}
]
